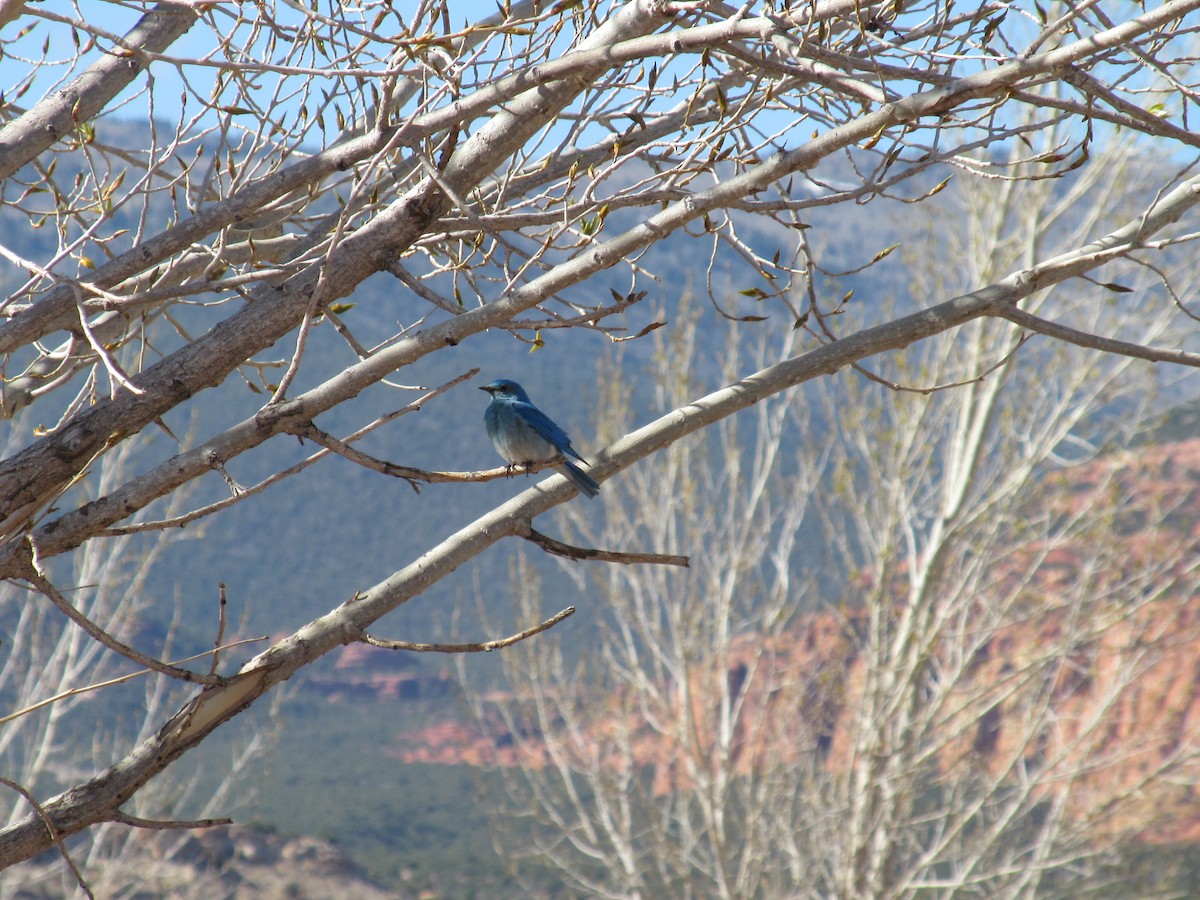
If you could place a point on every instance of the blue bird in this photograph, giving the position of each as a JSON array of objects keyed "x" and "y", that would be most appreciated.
[{"x": 523, "y": 434}]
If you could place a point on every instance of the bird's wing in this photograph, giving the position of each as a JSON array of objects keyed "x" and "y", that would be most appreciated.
[{"x": 545, "y": 427}]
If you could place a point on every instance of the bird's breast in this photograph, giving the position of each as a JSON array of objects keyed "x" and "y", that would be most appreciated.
[{"x": 514, "y": 439}]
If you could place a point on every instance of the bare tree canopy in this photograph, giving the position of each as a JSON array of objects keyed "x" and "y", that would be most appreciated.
[
  {"x": 489, "y": 163},
  {"x": 941, "y": 650}
]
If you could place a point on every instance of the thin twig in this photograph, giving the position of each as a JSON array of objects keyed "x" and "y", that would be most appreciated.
[
  {"x": 590, "y": 316},
  {"x": 217, "y": 464},
  {"x": 110, "y": 365},
  {"x": 340, "y": 327},
  {"x": 120, "y": 679},
  {"x": 53, "y": 833},
  {"x": 858, "y": 367},
  {"x": 558, "y": 548},
  {"x": 944, "y": 386},
  {"x": 201, "y": 512},
  {"x": 122, "y": 818},
  {"x": 216, "y": 653},
  {"x": 485, "y": 647},
  {"x": 314, "y": 304},
  {"x": 344, "y": 450},
  {"x": 1094, "y": 341}
]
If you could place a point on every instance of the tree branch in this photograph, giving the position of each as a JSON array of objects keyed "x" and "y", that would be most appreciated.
[
  {"x": 558, "y": 548},
  {"x": 484, "y": 647},
  {"x": 43, "y": 585},
  {"x": 409, "y": 474},
  {"x": 52, "y": 593},
  {"x": 34, "y": 477},
  {"x": 52, "y": 832},
  {"x": 1096, "y": 342},
  {"x": 123, "y": 818}
]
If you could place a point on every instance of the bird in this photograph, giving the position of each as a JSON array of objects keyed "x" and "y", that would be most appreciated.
[{"x": 522, "y": 434}]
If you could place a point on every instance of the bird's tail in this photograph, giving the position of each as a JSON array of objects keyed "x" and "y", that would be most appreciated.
[{"x": 586, "y": 483}]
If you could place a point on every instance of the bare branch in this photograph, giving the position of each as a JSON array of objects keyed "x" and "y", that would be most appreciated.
[
  {"x": 413, "y": 476},
  {"x": 123, "y": 818},
  {"x": 48, "y": 590},
  {"x": 933, "y": 389},
  {"x": 558, "y": 548},
  {"x": 54, "y": 835},
  {"x": 1097, "y": 342},
  {"x": 485, "y": 647}
]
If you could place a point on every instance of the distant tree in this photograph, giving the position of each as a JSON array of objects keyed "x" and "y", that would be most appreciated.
[
  {"x": 483, "y": 162},
  {"x": 51, "y": 672},
  {"x": 969, "y": 692}
]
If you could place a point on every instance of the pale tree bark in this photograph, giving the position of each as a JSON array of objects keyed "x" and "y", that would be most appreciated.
[{"x": 485, "y": 166}]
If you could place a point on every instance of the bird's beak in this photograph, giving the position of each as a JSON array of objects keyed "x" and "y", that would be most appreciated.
[{"x": 487, "y": 388}]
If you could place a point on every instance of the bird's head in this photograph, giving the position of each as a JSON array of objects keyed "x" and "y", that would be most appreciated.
[{"x": 505, "y": 389}]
